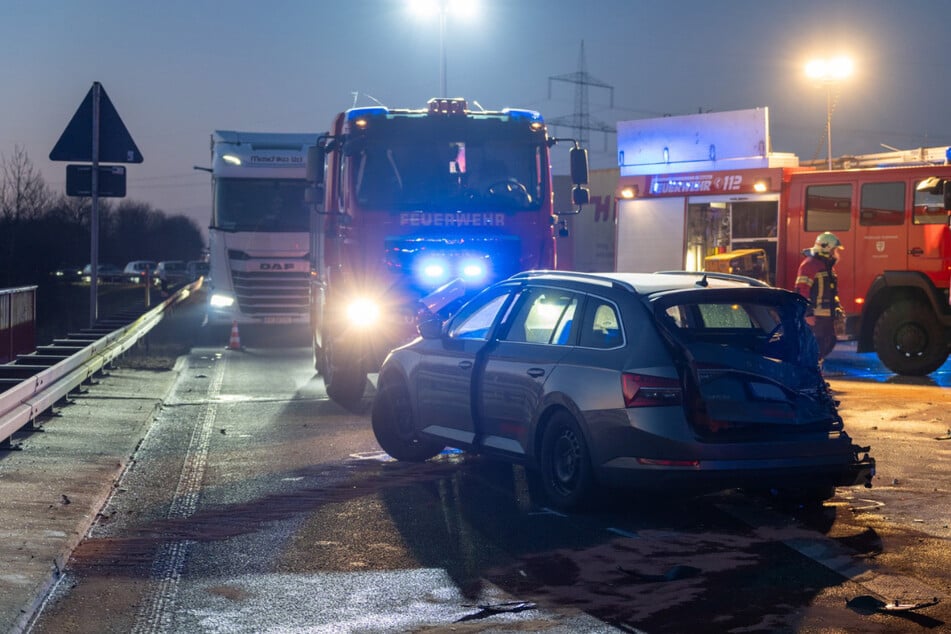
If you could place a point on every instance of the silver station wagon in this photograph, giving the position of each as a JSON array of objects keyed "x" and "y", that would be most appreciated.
[{"x": 676, "y": 381}]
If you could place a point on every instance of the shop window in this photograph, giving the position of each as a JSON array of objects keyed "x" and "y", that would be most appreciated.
[
  {"x": 882, "y": 204},
  {"x": 828, "y": 208}
]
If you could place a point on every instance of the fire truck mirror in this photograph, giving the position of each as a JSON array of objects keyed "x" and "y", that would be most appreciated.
[
  {"x": 580, "y": 196},
  {"x": 947, "y": 195},
  {"x": 315, "y": 164},
  {"x": 579, "y": 166}
]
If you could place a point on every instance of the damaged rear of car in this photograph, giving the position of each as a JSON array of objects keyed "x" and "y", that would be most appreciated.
[{"x": 757, "y": 411}]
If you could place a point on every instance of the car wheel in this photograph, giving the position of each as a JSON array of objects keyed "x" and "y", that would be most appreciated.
[
  {"x": 394, "y": 425},
  {"x": 566, "y": 472},
  {"x": 909, "y": 339}
]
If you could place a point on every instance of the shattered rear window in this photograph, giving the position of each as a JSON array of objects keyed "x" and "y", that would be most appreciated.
[{"x": 766, "y": 324}]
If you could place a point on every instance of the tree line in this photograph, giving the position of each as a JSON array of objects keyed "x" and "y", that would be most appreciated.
[{"x": 42, "y": 230}]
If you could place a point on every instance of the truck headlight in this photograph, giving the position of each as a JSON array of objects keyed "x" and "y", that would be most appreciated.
[
  {"x": 220, "y": 300},
  {"x": 363, "y": 312}
]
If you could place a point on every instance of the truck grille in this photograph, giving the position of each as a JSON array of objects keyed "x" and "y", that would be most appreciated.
[{"x": 272, "y": 293}]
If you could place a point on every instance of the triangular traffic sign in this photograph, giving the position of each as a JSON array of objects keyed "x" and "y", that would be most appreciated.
[{"x": 115, "y": 142}]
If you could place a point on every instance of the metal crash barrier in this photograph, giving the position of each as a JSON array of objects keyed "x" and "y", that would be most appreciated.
[{"x": 34, "y": 382}]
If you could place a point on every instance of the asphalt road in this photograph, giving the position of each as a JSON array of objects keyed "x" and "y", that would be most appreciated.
[{"x": 227, "y": 494}]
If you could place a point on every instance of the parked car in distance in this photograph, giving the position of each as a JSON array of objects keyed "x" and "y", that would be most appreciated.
[
  {"x": 195, "y": 269},
  {"x": 693, "y": 382},
  {"x": 170, "y": 272},
  {"x": 68, "y": 273},
  {"x": 137, "y": 270},
  {"x": 104, "y": 273}
]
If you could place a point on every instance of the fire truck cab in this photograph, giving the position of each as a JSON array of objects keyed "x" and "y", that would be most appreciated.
[{"x": 703, "y": 185}]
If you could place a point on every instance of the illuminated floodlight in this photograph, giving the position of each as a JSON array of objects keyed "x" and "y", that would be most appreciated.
[
  {"x": 829, "y": 72},
  {"x": 834, "y": 69},
  {"x": 231, "y": 159},
  {"x": 442, "y": 9}
]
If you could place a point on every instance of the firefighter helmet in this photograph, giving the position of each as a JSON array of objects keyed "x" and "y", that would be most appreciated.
[{"x": 826, "y": 244}]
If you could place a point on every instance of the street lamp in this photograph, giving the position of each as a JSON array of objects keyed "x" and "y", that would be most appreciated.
[
  {"x": 426, "y": 8},
  {"x": 830, "y": 72}
]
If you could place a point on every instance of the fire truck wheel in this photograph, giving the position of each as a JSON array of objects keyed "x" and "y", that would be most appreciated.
[
  {"x": 909, "y": 339},
  {"x": 394, "y": 428},
  {"x": 344, "y": 380}
]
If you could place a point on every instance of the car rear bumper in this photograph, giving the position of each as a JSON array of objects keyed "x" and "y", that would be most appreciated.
[{"x": 714, "y": 475}]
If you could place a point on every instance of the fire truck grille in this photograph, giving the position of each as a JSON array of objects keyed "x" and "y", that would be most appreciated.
[{"x": 272, "y": 293}]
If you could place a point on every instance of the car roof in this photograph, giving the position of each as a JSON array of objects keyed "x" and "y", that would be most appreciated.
[{"x": 648, "y": 283}]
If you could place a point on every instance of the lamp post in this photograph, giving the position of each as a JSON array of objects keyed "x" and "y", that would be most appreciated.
[
  {"x": 829, "y": 72},
  {"x": 425, "y": 8}
]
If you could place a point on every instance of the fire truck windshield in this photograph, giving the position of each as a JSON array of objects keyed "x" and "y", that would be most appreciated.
[
  {"x": 259, "y": 204},
  {"x": 410, "y": 174}
]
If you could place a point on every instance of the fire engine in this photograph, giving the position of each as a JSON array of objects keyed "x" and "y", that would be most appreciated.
[
  {"x": 697, "y": 186},
  {"x": 407, "y": 200}
]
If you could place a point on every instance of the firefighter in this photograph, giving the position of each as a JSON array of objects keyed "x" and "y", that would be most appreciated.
[{"x": 817, "y": 282}]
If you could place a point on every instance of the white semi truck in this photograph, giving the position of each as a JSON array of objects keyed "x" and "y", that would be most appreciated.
[{"x": 259, "y": 234}]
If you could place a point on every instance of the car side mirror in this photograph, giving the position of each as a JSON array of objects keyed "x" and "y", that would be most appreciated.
[{"x": 429, "y": 327}]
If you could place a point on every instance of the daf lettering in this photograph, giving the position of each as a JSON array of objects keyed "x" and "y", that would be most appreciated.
[{"x": 277, "y": 266}]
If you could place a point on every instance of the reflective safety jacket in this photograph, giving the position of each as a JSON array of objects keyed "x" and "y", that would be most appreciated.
[{"x": 817, "y": 282}]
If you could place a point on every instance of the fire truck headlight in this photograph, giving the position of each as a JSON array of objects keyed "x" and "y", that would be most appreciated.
[
  {"x": 363, "y": 313},
  {"x": 432, "y": 271},
  {"x": 473, "y": 270},
  {"x": 220, "y": 300}
]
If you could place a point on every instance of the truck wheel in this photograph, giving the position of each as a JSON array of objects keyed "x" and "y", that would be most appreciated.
[
  {"x": 909, "y": 339},
  {"x": 394, "y": 425},
  {"x": 318, "y": 356},
  {"x": 566, "y": 473},
  {"x": 344, "y": 379}
]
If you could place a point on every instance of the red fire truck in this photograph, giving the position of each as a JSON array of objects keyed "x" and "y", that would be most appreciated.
[
  {"x": 407, "y": 200},
  {"x": 890, "y": 210}
]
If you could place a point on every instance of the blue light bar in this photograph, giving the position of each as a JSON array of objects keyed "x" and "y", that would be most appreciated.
[
  {"x": 515, "y": 113},
  {"x": 369, "y": 111}
]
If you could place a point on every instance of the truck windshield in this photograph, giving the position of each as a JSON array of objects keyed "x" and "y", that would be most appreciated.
[
  {"x": 419, "y": 171},
  {"x": 259, "y": 204}
]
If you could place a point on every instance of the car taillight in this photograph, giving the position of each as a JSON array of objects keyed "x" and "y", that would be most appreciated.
[{"x": 644, "y": 390}]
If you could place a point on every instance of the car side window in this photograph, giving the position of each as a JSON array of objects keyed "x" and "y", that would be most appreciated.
[
  {"x": 477, "y": 319},
  {"x": 601, "y": 327},
  {"x": 544, "y": 315}
]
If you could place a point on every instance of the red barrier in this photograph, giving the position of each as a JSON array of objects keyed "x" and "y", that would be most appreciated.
[{"x": 17, "y": 322}]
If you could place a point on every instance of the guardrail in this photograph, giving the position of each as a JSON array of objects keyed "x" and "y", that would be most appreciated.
[{"x": 36, "y": 381}]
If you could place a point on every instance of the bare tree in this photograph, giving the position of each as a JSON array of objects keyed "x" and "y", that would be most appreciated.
[{"x": 24, "y": 194}]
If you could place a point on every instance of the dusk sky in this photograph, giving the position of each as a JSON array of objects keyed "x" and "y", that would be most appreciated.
[{"x": 178, "y": 69}]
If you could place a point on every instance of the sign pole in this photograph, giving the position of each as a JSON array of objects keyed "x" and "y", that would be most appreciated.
[{"x": 94, "y": 218}]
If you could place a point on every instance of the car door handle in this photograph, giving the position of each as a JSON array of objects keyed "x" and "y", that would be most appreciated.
[
  {"x": 916, "y": 251},
  {"x": 465, "y": 365},
  {"x": 535, "y": 372}
]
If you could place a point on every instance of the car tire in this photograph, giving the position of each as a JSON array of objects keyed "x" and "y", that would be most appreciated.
[
  {"x": 909, "y": 339},
  {"x": 394, "y": 425},
  {"x": 566, "y": 474}
]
